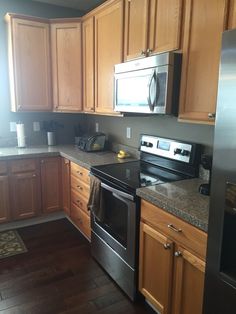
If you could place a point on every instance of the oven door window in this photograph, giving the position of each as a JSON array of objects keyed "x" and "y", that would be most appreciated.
[{"x": 115, "y": 221}]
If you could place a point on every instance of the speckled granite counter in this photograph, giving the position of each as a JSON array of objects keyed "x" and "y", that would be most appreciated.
[
  {"x": 181, "y": 199},
  {"x": 84, "y": 159}
]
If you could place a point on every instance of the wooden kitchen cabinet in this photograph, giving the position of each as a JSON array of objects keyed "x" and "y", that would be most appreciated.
[
  {"x": 66, "y": 45},
  {"x": 88, "y": 64},
  {"x": 108, "y": 52},
  {"x": 25, "y": 188},
  {"x": 29, "y": 63},
  {"x": 65, "y": 166},
  {"x": 204, "y": 22},
  {"x": 51, "y": 184},
  {"x": 232, "y": 14},
  {"x": 172, "y": 262},
  {"x": 151, "y": 26},
  {"x": 4, "y": 199}
]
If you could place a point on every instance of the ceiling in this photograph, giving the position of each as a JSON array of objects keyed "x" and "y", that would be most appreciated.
[{"x": 83, "y": 5}]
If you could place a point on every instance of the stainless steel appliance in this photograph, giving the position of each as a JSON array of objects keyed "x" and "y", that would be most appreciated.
[
  {"x": 114, "y": 240},
  {"x": 92, "y": 142},
  {"x": 148, "y": 85},
  {"x": 220, "y": 280}
]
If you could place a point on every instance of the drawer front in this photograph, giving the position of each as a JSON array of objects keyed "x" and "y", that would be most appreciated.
[
  {"x": 80, "y": 187},
  {"x": 79, "y": 201},
  {"x": 23, "y": 165},
  {"x": 3, "y": 167},
  {"x": 80, "y": 172},
  {"x": 81, "y": 220},
  {"x": 173, "y": 227}
]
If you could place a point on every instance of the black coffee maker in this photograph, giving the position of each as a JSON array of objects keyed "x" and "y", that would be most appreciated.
[{"x": 206, "y": 161}]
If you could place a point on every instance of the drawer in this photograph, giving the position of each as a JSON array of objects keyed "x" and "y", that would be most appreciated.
[
  {"x": 3, "y": 167},
  {"x": 80, "y": 172},
  {"x": 81, "y": 220},
  {"x": 79, "y": 201},
  {"x": 23, "y": 165},
  {"x": 80, "y": 187},
  {"x": 175, "y": 228}
]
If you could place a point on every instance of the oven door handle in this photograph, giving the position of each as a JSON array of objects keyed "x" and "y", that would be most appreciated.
[{"x": 117, "y": 192}]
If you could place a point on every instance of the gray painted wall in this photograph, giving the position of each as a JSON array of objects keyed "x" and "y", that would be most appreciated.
[
  {"x": 69, "y": 120},
  {"x": 165, "y": 126}
]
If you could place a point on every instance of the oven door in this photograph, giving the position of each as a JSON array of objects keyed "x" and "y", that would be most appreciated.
[{"x": 119, "y": 225}]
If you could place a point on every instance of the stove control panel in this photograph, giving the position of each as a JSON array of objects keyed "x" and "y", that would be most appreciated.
[{"x": 167, "y": 148}]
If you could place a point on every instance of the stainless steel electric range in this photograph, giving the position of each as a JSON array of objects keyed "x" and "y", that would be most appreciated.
[{"x": 114, "y": 240}]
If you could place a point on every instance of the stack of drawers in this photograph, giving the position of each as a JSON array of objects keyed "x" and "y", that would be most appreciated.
[{"x": 80, "y": 189}]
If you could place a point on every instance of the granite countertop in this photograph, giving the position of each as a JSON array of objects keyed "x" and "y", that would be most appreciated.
[
  {"x": 86, "y": 160},
  {"x": 181, "y": 199}
]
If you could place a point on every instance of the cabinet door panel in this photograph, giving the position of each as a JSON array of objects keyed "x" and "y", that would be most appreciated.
[
  {"x": 51, "y": 184},
  {"x": 155, "y": 267},
  {"x": 165, "y": 25},
  {"x": 108, "y": 52},
  {"x": 25, "y": 195},
  {"x": 4, "y": 199},
  {"x": 30, "y": 66},
  {"x": 136, "y": 28},
  {"x": 67, "y": 66},
  {"x": 203, "y": 26},
  {"x": 189, "y": 283},
  {"x": 66, "y": 185},
  {"x": 88, "y": 64},
  {"x": 232, "y": 15}
]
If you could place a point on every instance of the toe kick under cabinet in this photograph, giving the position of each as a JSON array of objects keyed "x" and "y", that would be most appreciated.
[
  {"x": 80, "y": 189},
  {"x": 171, "y": 262}
]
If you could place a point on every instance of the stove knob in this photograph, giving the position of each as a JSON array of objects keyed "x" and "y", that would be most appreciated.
[
  {"x": 177, "y": 151},
  {"x": 149, "y": 144},
  {"x": 185, "y": 152}
]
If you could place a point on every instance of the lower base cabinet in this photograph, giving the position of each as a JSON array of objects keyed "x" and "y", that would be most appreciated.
[
  {"x": 171, "y": 275},
  {"x": 81, "y": 220},
  {"x": 4, "y": 199}
]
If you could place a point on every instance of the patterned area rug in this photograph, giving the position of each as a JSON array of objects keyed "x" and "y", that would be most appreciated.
[{"x": 11, "y": 244}]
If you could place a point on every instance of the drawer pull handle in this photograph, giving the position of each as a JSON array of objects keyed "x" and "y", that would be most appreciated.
[
  {"x": 166, "y": 246},
  {"x": 172, "y": 227},
  {"x": 79, "y": 187},
  {"x": 178, "y": 253},
  {"x": 80, "y": 173}
]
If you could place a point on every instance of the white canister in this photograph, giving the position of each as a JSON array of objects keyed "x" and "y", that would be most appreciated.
[
  {"x": 20, "y": 131},
  {"x": 51, "y": 136}
]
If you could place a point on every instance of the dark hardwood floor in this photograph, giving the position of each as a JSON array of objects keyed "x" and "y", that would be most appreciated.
[{"x": 58, "y": 275}]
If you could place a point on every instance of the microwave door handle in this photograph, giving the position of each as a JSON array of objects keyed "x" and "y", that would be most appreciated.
[{"x": 150, "y": 104}]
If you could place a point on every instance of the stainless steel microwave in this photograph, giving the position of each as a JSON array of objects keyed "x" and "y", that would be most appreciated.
[{"x": 149, "y": 85}]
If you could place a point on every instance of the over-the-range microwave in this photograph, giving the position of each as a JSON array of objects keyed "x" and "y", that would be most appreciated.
[{"x": 148, "y": 85}]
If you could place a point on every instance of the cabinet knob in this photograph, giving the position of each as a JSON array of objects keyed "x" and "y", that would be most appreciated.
[
  {"x": 42, "y": 161},
  {"x": 34, "y": 175},
  {"x": 178, "y": 253},
  {"x": 80, "y": 173},
  {"x": 172, "y": 227},
  {"x": 166, "y": 246},
  {"x": 79, "y": 187},
  {"x": 211, "y": 115}
]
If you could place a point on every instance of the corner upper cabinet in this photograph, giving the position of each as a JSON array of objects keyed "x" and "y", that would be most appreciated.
[
  {"x": 88, "y": 64},
  {"x": 66, "y": 45},
  {"x": 29, "y": 63},
  {"x": 151, "y": 26},
  {"x": 204, "y": 22},
  {"x": 108, "y": 52}
]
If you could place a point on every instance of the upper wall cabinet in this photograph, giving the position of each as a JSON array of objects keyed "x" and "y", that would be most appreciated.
[
  {"x": 108, "y": 52},
  {"x": 29, "y": 63},
  {"x": 204, "y": 22},
  {"x": 151, "y": 26},
  {"x": 66, "y": 43},
  {"x": 88, "y": 64}
]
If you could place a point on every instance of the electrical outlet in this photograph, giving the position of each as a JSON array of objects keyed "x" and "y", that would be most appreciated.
[
  {"x": 96, "y": 127},
  {"x": 12, "y": 126},
  {"x": 36, "y": 126},
  {"x": 128, "y": 132}
]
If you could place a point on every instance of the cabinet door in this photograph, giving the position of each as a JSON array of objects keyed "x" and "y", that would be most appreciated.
[
  {"x": 66, "y": 185},
  {"x": 25, "y": 195},
  {"x": 108, "y": 52},
  {"x": 4, "y": 199},
  {"x": 165, "y": 25},
  {"x": 204, "y": 22},
  {"x": 232, "y": 15},
  {"x": 189, "y": 283},
  {"x": 136, "y": 28},
  {"x": 155, "y": 267},
  {"x": 51, "y": 184},
  {"x": 67, "y": 66},
  {"x": 29, "y": 60},
  {"x": 88, "y": 64}
]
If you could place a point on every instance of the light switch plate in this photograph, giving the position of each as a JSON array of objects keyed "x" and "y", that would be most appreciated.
[
  {"x": 96, "y": 127},
  {"x": 128, "y": 132},
  {"x": 36, "y": 126}
]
